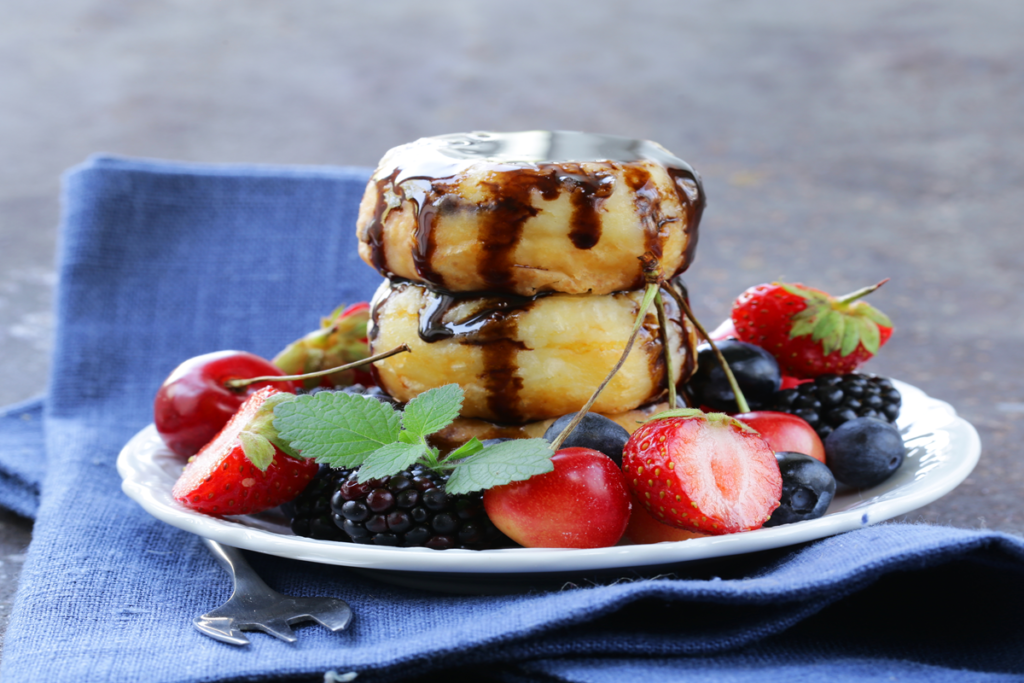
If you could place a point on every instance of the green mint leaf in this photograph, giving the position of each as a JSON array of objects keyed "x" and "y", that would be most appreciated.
[
  {"x": 501, "y": 464},
  {"x": 390, "y": 459},
  {"x": 259, "y": 451},
  {"x": 408, "y": 437},
  {"x": 335, "y": 428},
  {"x": 432, "y": 410},
  {"x": 471, "y": 447}
]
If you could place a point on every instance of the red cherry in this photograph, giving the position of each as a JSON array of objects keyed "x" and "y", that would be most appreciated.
[
  {"x": 582, "y": 503},
  {"x": 194, "y": 403},
  {"x": 785, "y": 432}
]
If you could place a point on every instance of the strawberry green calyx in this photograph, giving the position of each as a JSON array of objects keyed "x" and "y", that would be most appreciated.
[
  {"x": 713, "y": 418},
  {"x": 260, "y": 437},
  {"x": 838, "y": 323},
  {"x": 341, "y": 340}
]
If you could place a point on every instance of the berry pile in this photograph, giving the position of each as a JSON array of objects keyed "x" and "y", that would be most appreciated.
[
  {"x": 831, "y": 400},
  {"x": 409, "y": 509}
]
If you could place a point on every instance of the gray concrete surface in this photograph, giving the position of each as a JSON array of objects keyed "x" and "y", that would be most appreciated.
[{"x": 840, "y": 143}]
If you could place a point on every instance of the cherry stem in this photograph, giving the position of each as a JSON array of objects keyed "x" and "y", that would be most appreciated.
[
  {"x": 659, "y": 303},
  {"x": 741, "y": 400},
  {"x": 239, "y": 383},
  {"x": 860, "y": 293},
  {"x": 652, "y": 273}
]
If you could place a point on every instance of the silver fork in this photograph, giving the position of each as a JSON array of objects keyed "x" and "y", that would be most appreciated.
[{"x": 254, "y": 606}]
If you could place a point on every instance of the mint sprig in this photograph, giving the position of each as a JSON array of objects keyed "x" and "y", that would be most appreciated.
[
  {"x": 350, "y": 431},
  {"x": 336, "y": 428},
  {"x": 499, "y": 464}
]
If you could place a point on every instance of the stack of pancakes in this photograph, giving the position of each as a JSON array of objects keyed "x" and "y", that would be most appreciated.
[{"x": 513, "y": 269}]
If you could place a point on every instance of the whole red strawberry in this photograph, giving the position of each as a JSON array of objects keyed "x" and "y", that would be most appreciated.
[
  {"x": 809, "y": 332},
  {"x": 242, "y": 471},
  {"x": 704, "y": 472}
]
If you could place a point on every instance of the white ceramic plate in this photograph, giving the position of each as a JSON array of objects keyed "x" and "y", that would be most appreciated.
[{"x": 942, "y": 449}]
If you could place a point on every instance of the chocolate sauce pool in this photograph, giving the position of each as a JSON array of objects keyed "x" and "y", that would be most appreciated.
[{"x": 545, "y": 161}]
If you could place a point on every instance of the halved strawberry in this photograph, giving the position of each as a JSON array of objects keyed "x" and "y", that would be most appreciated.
[
  {"x": 809, "y": 332},
  {"x": 241, "y": 471},
  {"x": 704, "y": 472}
]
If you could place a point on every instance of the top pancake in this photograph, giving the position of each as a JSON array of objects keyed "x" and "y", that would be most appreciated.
[{"x": 531, "y": 212}]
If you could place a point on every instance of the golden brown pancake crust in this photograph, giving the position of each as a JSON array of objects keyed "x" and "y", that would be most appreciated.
[{"x": 523, "y": 213}]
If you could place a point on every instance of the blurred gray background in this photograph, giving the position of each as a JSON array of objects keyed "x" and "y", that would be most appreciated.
[{"x": 840, "y": 143}]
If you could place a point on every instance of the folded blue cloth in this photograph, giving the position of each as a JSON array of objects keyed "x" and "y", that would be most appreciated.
[
  {"x": 163, "y": 261},
  {"x": 22, "y": 456}
]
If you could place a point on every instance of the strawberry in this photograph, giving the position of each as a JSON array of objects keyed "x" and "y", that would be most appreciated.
[
  {"x": 808, "y": 331},
  {"x": 242, "y": 470},
  {"x": 703, "y": 472}
]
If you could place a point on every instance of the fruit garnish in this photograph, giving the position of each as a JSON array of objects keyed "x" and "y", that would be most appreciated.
[
  {"x": 582, "y": 503},
  {"x": 643, "y": 528},
  {"x": 407, "y": 509},
  {"x": 595, "y": 432},
  {"x": 245, "y": 469},
  {"x": 704, "y": 472},
  {"x": 808, "y": 331},
  {"x": 807, "y": 489},
  {"x": 754, "y": 370},
  {"x": 785, "y": 432},
  {"x": 341, "y": 340},
  {"x": 196, "y": 400},
  {"x": 864, "y": 452},
  {"x": 352, "y": 431},
  {"x": 830, "y": 400}
]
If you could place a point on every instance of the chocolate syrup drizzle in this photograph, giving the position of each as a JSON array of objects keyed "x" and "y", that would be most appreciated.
[
  {"x": 493, "y": 326},
  {"x": 524, "y": 162}
]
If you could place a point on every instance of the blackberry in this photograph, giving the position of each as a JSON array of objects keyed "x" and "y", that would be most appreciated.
[
  {"x": 832, "y": 400},
  {"x": 406, "y": 509}
]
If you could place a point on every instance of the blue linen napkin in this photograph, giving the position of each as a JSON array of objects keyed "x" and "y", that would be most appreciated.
[
  {"x": 163, "y": 261},
  {"x": 22, "y": 456}
]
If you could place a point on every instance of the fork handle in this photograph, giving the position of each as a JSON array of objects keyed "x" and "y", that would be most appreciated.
[{"x": 247, "y": 581}]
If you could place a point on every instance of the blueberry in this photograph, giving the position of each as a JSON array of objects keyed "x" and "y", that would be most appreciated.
[
  {"x": 594, "y": 431},
  {"x": 756, "y": 370},
  {"x": 864, "y": 452},
  {"x": 807, "y": 489}
]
